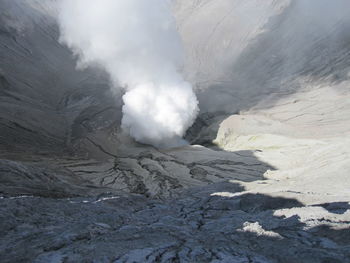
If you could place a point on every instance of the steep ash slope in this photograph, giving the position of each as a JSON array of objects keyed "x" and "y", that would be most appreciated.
[
  {"x": 243, "y": 53},
  {"x": 45, "y": 101},
  {"x": 272, "y": 186},
  {"x": 288, "y": 79}
]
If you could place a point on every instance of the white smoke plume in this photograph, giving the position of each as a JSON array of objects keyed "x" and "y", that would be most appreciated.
[{"x": 137, "y": 43}]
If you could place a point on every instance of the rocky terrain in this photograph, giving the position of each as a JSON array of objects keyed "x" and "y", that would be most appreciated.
[{"x": 265, "y": 179}]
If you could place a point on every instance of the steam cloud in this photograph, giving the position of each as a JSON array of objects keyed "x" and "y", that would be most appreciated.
[{"x": 137, "y": 42}]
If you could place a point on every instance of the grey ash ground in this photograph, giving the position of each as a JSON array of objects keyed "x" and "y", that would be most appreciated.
[{"x": 266, "y": 179}]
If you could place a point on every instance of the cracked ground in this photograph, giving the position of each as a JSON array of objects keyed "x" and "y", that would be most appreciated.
[{"x": 265, "y": 177}]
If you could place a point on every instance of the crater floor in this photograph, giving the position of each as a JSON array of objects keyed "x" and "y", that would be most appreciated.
[{"x": 265, "y": 179}]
